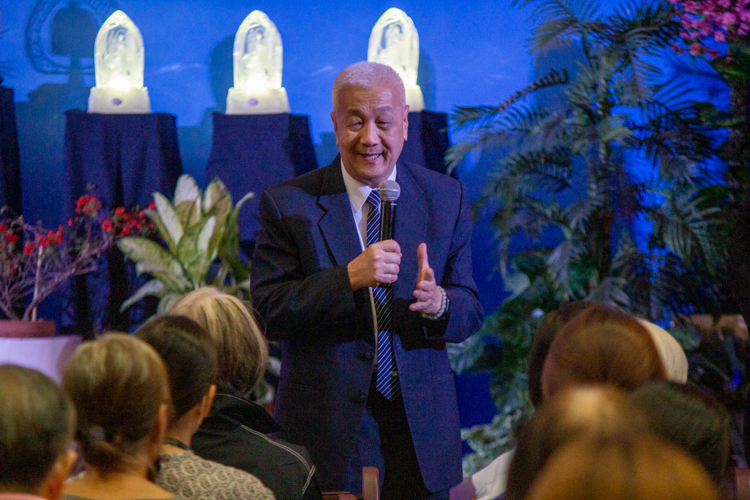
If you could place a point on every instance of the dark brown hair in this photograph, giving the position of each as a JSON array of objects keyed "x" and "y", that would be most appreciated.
[
  {"x": 544, "y": 334},
  {"x": 574, "y": 412},
  {"x": 190, "y": 357},
  {"x": 602, "y": 345},
  {"x": 117, "y": 384},
  {"x": 624, "y": 467},
  {"x": 691, "y": 418},
  {"x": 36, "y": 427}
]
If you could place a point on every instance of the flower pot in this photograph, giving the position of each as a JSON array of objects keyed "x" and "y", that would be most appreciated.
[{"x": 13, "y": 328}]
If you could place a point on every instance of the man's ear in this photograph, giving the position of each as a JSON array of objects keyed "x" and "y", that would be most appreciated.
[
  {"x": 208, "y": 400},
  {"x": 162, "y": 422},
  {"x": 406, "y": 122},
  {"x": 52, "y": 488},
  {"x": 335, "y": 127}
]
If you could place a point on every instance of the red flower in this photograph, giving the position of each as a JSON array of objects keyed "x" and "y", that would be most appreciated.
[
  {"x": 43, "y": 241},
  {"x": 83, "y": 200},
  {"x": 119, "y": 210},
  {"x": 3, "y": 228},
  {"x": 151, "y": 206},
  {"x": 28, "y": 248},
  {"x": 125, "y": 231},
  {"x": 107, "y": 225},
  {"x": 695, "y": 49},
  {"x": 11, "y": 238},
  {"x": 52, "y": 237}
]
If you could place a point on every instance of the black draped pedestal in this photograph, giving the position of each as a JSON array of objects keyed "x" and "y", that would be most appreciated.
[
  {"x": 10, "y": 169},
  {"x": 128, "y": 158},
  {"x": 254, "y": 152},
  {"x": 428, "y": 140}
]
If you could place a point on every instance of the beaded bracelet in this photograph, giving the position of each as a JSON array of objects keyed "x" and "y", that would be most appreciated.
[{"x": 443, "y": 306}]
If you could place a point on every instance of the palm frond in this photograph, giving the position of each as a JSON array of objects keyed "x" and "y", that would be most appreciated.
[
  {"x": 561, "y": 20},
  {"x": 685, "y": 227},
  {"x": 509, "y": 129},
  {"x": 610, "y": 291},
  {"x": 480, "y": 116}
]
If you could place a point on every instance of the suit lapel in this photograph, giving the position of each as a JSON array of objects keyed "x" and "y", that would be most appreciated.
[
  {"x": 409, "y": 231},
  {"x": 337, "y": 223}
]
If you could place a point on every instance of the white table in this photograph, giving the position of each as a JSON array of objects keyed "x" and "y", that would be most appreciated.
[{"x": 48, "y": 355}]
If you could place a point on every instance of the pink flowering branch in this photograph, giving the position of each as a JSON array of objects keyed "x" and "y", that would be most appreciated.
[{"x": 709, "y": 24}]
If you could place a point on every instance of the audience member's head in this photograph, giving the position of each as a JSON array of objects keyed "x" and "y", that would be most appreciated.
[
  {"x": 572, "y": 413},
  {"x": 190, "y": 357},
  {"x": 120, "y": 390},
  {"x": 544, "y": 334},
  {"x": 670, "y": 351},
  {"x": 36, "y": 431},
  {"x": 241, "y": 348},
  {"x": 691, "y": 418},
  {"x": 601, "y": 345},
  {"x": 625, "y": 467}
]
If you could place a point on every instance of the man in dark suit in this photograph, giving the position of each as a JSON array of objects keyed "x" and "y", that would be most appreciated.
[{"x": 365, "y": 378}]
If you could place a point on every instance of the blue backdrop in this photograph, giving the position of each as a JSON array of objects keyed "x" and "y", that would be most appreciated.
[{"x": 471, "y": 53}]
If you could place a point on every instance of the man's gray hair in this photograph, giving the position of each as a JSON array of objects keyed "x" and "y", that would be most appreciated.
[
  {"x": 36, "y": 427},
  {"x": 365, "y": 74}
]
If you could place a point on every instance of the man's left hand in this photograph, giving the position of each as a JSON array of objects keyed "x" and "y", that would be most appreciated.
[{"x": 428, "y": 293}]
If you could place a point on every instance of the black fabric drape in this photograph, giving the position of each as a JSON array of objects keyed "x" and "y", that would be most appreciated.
[
  {"x": 428, "y": 140},
  {"x": 128, "y": 158},
  {"x": 10, "y": 169},
  {"x": 254, "y": 152}
]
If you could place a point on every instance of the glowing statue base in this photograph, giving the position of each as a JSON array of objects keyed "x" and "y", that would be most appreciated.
[
  {"x": 267, "y": 102},
  {"x": 113, "y": 101},
  {"x": 415, "y": 99}
]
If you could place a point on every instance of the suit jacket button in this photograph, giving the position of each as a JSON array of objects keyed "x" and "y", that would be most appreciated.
[
  {"x": 368, "y": 355},
  {"x": 360, "y": 398}
]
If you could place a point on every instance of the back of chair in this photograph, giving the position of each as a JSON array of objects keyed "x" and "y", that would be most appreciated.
[
  {"x": 742, "y": 484},
  {"x": 370, "y": 483},
  {"x": 370, "y": 487}
]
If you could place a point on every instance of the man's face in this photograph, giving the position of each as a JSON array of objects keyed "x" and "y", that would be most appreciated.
[{"x": 371, "y": 126}]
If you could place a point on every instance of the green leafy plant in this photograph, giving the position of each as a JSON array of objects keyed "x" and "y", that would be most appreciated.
[
  {"x": 613, "y": 111},
  {"x": 197, "y": 230}
]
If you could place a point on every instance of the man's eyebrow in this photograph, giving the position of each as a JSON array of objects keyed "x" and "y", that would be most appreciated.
[{"x": 359, "y": 112}]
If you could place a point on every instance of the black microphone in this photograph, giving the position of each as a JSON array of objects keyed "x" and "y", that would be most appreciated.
[{"x": 389, "y": 192}]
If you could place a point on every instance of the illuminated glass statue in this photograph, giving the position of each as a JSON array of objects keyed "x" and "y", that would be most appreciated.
[
  {"x": 394, "y": 42},
  {"x": 258, "y": 60},
  {"x": 118, "y": 64}
]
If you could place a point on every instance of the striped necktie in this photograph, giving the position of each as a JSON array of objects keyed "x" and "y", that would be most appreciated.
[{"x": 387, "y": 377}]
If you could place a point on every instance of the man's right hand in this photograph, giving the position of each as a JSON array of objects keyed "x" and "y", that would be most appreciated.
[{"x": 377, "y": 265}]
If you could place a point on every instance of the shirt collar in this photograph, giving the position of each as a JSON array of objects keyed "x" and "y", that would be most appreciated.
[{"x": 357, "y": 191}]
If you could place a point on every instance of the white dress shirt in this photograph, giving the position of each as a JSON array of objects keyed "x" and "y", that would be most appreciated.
[{"x": 358, "y": 194}]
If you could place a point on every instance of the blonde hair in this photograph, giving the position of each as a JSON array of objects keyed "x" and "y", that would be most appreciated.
[
  {"x": 241, "y": 347},
  {"x": 672, "y": 356},
  {"x": 118, "y": 385}
]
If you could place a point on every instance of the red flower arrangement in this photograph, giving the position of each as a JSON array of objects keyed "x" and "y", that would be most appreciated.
[{"x": 35, "y": 261}]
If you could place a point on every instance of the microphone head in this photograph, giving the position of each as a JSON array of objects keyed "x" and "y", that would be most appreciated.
[{"x": 389, "y": 190}]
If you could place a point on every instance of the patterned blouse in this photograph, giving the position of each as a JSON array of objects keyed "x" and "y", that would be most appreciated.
[{"x": 194, "y": 478}]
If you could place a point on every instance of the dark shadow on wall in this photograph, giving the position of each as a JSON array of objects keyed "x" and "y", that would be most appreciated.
[
  {"x": 68, "y": 50},
  {"x": 195, "y": 142},
  {"x": 426, "y": 79}
]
